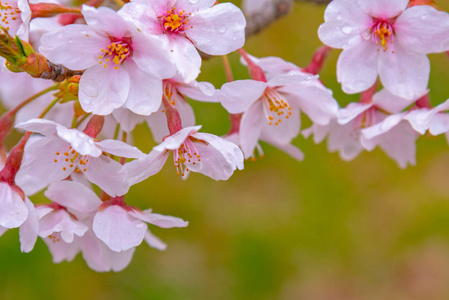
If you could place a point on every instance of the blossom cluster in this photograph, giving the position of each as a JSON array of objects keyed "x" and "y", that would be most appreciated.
[{"x": 116, "y": 67}]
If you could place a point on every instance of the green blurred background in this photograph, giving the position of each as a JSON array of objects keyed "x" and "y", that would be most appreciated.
[{"x": 321, "y": 229}]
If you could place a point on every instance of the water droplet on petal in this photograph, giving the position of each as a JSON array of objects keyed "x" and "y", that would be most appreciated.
[
  {"x": 193, "y": 1},
  {"x": 339, "y": 17},
  {"x": 347, "y": 29},
  {"x": 366, "y": 35},
  {"x": 222, "y": 29},
  {"x": 60, "y": 35}
]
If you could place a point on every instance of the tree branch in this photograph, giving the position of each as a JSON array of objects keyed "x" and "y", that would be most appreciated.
[{"x": 270, "y": 12}]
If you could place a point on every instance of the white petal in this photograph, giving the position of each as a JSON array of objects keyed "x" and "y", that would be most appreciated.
[
  {"x": 404, "y": 73},
  {"x": 218, "y": 30},
  {"x": 29, "y": 229},
  {"x": 73, "y": 195},
  {"x": 344, "y": 23},
  {"x": 100, "y": 257},
  {"x": 351, "y": 111},
  {"x": 357, "y": 67},
  {"x": 423, "y": 29},
  {"x": 42, "y": 126},
  {"x": 140, "y": 169},
  {"x": 104, "y": 172},
  {"x": 75, "y": 46},
  {"x": 383, "y": 9},
  {"x": 120, "y": 148},
  {"x": 175, "y": 141},
  {"x": 251, "y": 126},
  {"x": 81, "y": 142},
  {"x": 145, "y": 92},
  {"x": 62, "y": 251},
  {"x": 117, "y": 229},
  {"x": 103, "y": 89},
  {"x": 127, "y": 119},
  {"x": 185, "y": 57},
  {"x": 160, "y": 220},
  {"x": 13, "y": 210},
  {"x": 154, "y": 242},
  {"x": 390, "y": 102},
  {"x": 237, "y": 96}
]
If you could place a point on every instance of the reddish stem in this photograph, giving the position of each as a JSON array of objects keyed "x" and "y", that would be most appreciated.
[
  {"x": 255, "y": 71},
  {"x": 318, "y": 59}
]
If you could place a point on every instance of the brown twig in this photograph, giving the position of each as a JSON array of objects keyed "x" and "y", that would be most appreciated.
[{"x": 273, "y": 10}]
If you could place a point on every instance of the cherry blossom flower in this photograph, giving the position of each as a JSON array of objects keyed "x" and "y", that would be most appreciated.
[
  {"x": 15, "y": 16},
  {"x": 386, "y": 38},
  {"x": 62, "y": 151},
  {"x": 192, "y": 151},
  {"x": 345, "y": 132},
  {"x": 123, "y": 66},
  {"x": 70, "y": 225},
  {"x": 214, "y": 29},
  {"x": 122, "y": 227},
  {"x": 271, "y": 110}
]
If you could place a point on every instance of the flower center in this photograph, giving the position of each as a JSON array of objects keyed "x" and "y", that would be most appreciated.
[
  {"x": 175, "y": 21},
  {"x": 187, "y": 153},
  {"x": 116, "y": 52},
  {"x": 275, "y": 107},
  {"x": 382, "y": 34},
  {"x": 8, "y": 13},
  {"x": 70, "y": 159}
]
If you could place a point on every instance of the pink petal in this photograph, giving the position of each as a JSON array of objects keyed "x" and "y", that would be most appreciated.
[
  {"x": 151, "y": 56},
  {"x": 73, "y": 195},
  {"x": 251, "y": 126},
  {"x": 344, "y": 23},
  {"x": 350, "y": 112},
  {"x": 104, "y": 172},
  {"x": 383, "y": 9},
  {"x": 103, "y": 89},
  {"x": 117, "y": 229},
  {"x": 140, "y": 169},
  {"x": 154, "y": 242},
  {"x": 175, "y": 141},
  {"x": 106, "y": 20},
  {"x": 13, "y": 210},
  {"x": 218, "y": 30},
  {"x": 237, "y": 96},
  {"x": 75, "y": 46},
  {"x": 357, "y": 67},
  {"x": 314, "y": 100},
  {"x": 404, "y": 73},
  {"x": 120, "y": 148},
  {"x": 160, "y": 220},
  {"x": 81, "y": 142},
  {"x": 185, "y": 57},
  {"x": 390, "y": 102},
  {"x": 29, "y": 229},
  {"x": 42, "y": 126},
  {"x": 127, "y": 119},
  {"x": 423, "y": 29},
  {"x": 61, "y": 250},
  {"x": 145, "y": 92},
  {"x": 100, "y": 258}
]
